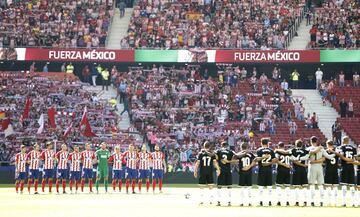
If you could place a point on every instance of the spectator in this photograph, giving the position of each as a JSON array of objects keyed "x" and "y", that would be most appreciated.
[
  {"x": 86, "y": 74},
  {"x": 292, "y": 127},
  {"x": 343, "y": 108},
  {"x": 94, "y": 74},
  {"x": 342, "y": 79},
  {"x": 350, "y": 108},
  {"x": 105, "y": 76},
  {"x": 122, "y": 7},
  {"x": 318, "y": 75},
  {"x": 70, "y": 68},
  {"x": 336, "y": 130},
  {"x": 122, "y": 90},
  {"x": 63, "y": 68},
  {"x": 284, "y": 85},
  {"x": 314, "y": 121},
  {"x": 295, "y": 79},
  {"x": 356, "y": 79},
  {"x": 45, "y": 68},
  {"x": 308, "y": 121}
]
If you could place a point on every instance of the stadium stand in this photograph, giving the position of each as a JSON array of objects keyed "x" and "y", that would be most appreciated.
[
  {"x": 217, "y": 24},
  {"x": 58, "y": 23}
]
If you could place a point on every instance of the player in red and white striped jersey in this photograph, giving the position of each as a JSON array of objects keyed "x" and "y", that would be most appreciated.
[
  {"x": 62, "y": 167},
  {"x": 33, "y": 158},
  {"x": 20, "y": 169},
  {"x": 159, "y": 167},
  {"x": 87, "y": 158},
  {"x": 48, "y": 156},
  {"x": 117, "y": 159},
  {"x": 75, "y": 160},
  {"x": 144, "y": 167},
  {"x": 131, "y": 158}
]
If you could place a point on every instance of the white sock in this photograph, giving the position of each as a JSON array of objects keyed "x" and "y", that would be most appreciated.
[
  {"x": 211, "y": 195},
  {"x": 297, "y": 192},
  {"x": 343, "y": 189},
  {"x": 269, "y": 188},
  {"x": 321, "y": 189},
  {"x": 329, "y": 192},
  {"x": 353, "y": 199},
  {"x": 278, "y": 191},
  {"x": 248, "y": 193},
  {"x": 202, "y": 195},
  {"x": 219, "y": 194},
  {"x": 229, "y": 195},
  {"x": 261, "y": 191},
  {"x": 312, "y": 193},
  {"x": 242, "y": 196},
  {"x": 306, "y": 194},
  {"x": 358, "y": 197},
  {"x": 335, "y": 194},
  {"x": 287, "y": 193}
]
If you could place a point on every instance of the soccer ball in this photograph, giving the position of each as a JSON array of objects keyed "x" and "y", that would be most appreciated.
[{"x": 187, "y": 196}]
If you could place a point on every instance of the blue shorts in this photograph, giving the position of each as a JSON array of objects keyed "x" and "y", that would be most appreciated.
[
  {"x": 144, "y": 174},
  {"x": 158, "y": 174},
  {"x": 117, "y": 174},
  {"x": 75, "y": 175},
  {"x": 20, "y": 176},
  {"x": 62, "y": 174},
  {"x": 131, "y": 173},
  {"x": 48, "y": 173},
  {"x": 34, "y": 174},
  {"x": 87, "y": 173}
]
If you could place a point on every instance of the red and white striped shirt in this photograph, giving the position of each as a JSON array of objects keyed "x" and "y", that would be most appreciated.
[
  {"x": 158, "y": 159},
  {"x": 144, "y": 161},
  {"x": 87, "y": 157},
  {"x": 48, "y": 158},
  {"x": 34, "y": 158},
  {"x": 20, "y": 161},
  {"x": 117, "y": 159},
  {"x": 75, "y": 158},
  {"x": 131, "y": 159},
  {"x": 62, "y": 157}
]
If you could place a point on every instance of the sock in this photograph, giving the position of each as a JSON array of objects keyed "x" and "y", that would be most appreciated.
[
  {"x": 219, "y": 194},
  {"x": 120, "y": 185},
  {"x": 29, "y": 185},
  {"x": 36, "y": 185},
  {"x": 114, "y": 184},
  {"x": 127, "y": 185},
  {"x": 106, "y": 183},
  {"x": 97, "y": 184},
  {"x": 287, "y": 193},
  {"x": 211, "y": 195},
  {"x": 297, "y": 192},
  {"x": 71, "y": 184},
  {"x": 312, "y": 193},
  {"x": 57, "y": 184},
  {"x": 90, "y": 184},
  {"x": 17, "y": 186},
  {"x": 353, "y": 199},
  {"x": 154, "y": 185},
  {"x": 147, "y": 185},
  {"x": 242, "y": 196},
  {"x": 82, "y": 185},
  {"x": 43, "y": 183},
  {"x": 133, "y": 185},
  {"x": 50, "y": 185},
  {"x": 261, "y": 190},
  {"x": 321, "y": 190},
  {"x": 343, "y": 188},
  {"x": 76, "y": 185},
  {"x": 269, "y": 188},
  {"x": 248, "y": 193},
  {"x": 64, "y": 185},
  {"x": 140, "y": 185},
  {"x": 335, "y": 194},
  {"x": 278, "y": 191},
  {"x": 202, "y": 195},
  {"x": 160, "y": 184},
  {"x": 328, "y": 190},
  {"x": 21, "y": 186},
  {"x": 229, "y": 195},
  {"x": 305, "y": 193}
]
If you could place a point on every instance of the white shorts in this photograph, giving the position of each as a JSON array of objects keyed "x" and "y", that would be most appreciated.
[{"x": 316, "y": 175}]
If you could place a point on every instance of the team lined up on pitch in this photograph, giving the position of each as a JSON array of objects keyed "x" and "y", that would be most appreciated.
[
  {"x": 140, "y": 165},
  {"x": 305, "y": 163}
]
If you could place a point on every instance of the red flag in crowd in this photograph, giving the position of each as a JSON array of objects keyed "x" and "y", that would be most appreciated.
[
  {"x": 51, "y": 115},
  {"x": 26, "y": 111},
  {"x": 5, "y": 123},
  {"x": 85, "y": 122}
]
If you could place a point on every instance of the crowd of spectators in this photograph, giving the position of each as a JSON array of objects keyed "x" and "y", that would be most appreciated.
[
  {"x": 247, "y": 24},
  {"x": 336, "y": 24},
  {"x": 55, "y": 23},
  {"x": 69, "y": 100},
  {"x": 179, "y": 108}
]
